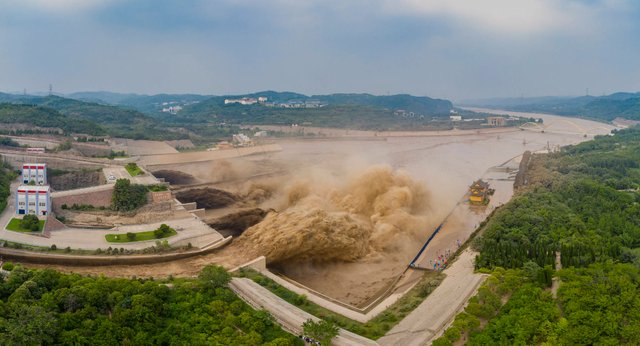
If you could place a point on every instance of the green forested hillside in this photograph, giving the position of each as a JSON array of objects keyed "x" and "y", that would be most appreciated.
[
  {"x": 571, "y": 207},
  {"x": 419, "y": 105},
  {"x": 597, "y": 305},
  {"x": 153, "y": 105},
  {"x": 355, "y": 117},
  {"x": 46, "y": 117},
  {"x": 98, "y": 113},
  {"x": 45, "y": 307},
  {"x": 356, "y": 109},
  {"x": 605, "y": 108},
  {"x": 6, "y": 176},
  {"x": 573, "y": 199}
]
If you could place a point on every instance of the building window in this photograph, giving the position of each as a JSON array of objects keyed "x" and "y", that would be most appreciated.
[
  {"x": 20, "y": 203},
  {"x": 43, "y": 204},
  {"x": 32, "y": 203}
]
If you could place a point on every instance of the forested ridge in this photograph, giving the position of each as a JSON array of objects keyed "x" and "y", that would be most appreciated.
[
  {"x": 607, "y": 108},
  {"x": 45, "y": 307},
  {"x": 46, "y": 117},
  {"x": 94, "y": 119},
  {"x": 577, "y": 220},
  {"x": 354, "y": 111}
]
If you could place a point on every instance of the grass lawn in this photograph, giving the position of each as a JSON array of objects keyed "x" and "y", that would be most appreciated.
[
  {"x": 133, "y": 170},
  {"x": 13, "y": 226},
  {"x": 140, "y": 236}
]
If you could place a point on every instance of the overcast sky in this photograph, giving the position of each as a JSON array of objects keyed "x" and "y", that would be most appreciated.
[{"x": 458, "y": 49}]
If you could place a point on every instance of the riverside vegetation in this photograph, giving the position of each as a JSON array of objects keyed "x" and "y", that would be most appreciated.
[
  {"x": 580, "y": 204},
  {"x": 46, "y": 307}
]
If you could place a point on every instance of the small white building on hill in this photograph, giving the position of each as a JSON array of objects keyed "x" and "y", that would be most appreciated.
[
  {"x": 36, "y": 172},
  {"x": 32, "y": 199}
]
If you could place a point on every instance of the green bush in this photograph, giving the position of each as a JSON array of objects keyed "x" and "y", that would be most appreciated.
[
  {"x": 28, "y": 222},
  {"x": 158, "y": 233},
  {"x": 54, "y": 247},
  {"x": 8, "y": 266},
  {"x": 131, "y": 235},
  {"x": 300, "y": 300}
]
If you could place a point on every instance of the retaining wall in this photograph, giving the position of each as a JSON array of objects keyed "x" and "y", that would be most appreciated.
[
  {"x": 75, "y": 260},
  {"x": 16, "y": 159},
  {"x": 101, "y": 198}
]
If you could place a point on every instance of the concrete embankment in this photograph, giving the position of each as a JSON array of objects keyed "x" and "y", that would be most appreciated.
[
  {"x": 203, "y": 156},
  {"x": 55, "y": 161},
  {"x": 76, "y": 260},
  {"x": 287, "y": 315},
  {"x": 343, "y": 133}
]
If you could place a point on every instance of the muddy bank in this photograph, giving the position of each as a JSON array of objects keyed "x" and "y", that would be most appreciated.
[
  {"x": 234, "y": 224},
  {"x": 208, "y": 198},
  {"x": 176, "y": 177}
]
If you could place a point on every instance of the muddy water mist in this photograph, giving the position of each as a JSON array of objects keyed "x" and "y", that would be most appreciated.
[{"x": 359, "y": 229}]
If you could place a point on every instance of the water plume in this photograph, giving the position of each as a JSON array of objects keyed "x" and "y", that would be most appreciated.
[{"x": 322, "y": 218}]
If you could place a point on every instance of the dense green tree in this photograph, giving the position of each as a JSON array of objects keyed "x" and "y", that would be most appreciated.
[
  {"x": 212, "y": 277},
  {"x": 322, "y": 331},
  {"x": 127, "y": 196},
  {"x": 28, "y": 325}
]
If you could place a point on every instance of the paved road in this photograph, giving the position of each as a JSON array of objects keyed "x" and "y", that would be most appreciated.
[
  {"x": 427, "y": 320},
  {"x": 288, "y": 315},
  {"x": 91, "y": 239},
  {"x": 120, "y": 172},
  {"x": 9, "y": 211}
]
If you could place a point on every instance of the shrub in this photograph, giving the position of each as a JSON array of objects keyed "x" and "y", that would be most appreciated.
[
  {"x": 35, "y": 227},
  {"x": 257, "y": 279},
  {"x": 67, "y": 249},
  {"x": 158, "y": 233},
  {"x": 189, "y": 246},
  {"x": 8, "y": 266},
  {"x": 301, "y": 299},
  {"x": 131, "y": 235},
  {"x": 54, "y": 247},
  {"x": 453, "y": 334}
]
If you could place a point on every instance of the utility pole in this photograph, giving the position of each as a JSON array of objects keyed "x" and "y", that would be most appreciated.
[
  {"x": 50, "y": 89},
  {"x": 25, "y": 92}
]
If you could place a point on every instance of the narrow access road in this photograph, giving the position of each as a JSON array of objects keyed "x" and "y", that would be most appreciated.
[{"x": 289, "y": 316}]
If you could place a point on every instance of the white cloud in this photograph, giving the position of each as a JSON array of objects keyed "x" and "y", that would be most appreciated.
[
  {"x": 58, "y": 6},
  {"x": 500, "y": 16}
]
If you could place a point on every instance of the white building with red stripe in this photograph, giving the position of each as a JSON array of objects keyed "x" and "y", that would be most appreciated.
[
  {"x": 36, "y": 172},
  {"x": 35, "y": 150},
  {"x": 35, "y": 200}
]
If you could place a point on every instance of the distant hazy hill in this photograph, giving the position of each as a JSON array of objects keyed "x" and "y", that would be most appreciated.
[
  {"x": 153, "y": 105},
  {"x": 513, "y": 101},
  {"x": 11, "y": 113},
  {"x": 101, "y": 114},
  {"x": 606, "y": 108},
  {"x": 105, "y": 96},
  {"x": 117, "y": 122},
  {"x": 204, "y": 111}
]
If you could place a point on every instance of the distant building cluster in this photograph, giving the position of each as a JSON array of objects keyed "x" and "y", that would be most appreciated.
[
  {"x": 261, "y": 134},
  {"x": 241, "y": 138},
  {"x": 401, "y": 112},
  {"x": 246, "y": 100},
  {"x": 174, "y": 106},
  {"x": 496, "y": 121},
  {"x": 172, "y": 109},
  {"x": 310, "y": 103}
]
